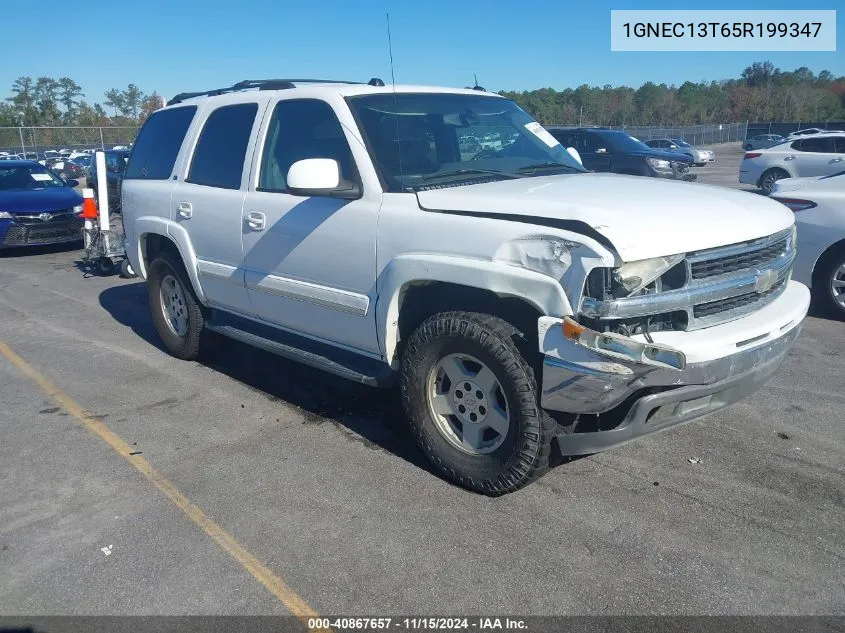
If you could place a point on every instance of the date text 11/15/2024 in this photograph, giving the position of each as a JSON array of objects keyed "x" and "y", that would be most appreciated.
[{"x": 417, "y": 624}]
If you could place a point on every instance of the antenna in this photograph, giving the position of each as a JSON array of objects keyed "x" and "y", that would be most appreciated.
[{"x": 395, "y": 102}]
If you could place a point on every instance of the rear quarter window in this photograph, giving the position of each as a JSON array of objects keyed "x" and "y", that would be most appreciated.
[{"x": 155, "y": 150}]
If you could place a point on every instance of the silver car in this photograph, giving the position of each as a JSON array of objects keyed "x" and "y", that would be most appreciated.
[
  {"x": 762, "y": 141},
  {"x": 699, "y": 156}
]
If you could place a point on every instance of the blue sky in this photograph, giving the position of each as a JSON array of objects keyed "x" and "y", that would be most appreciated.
[{"x": 183, "y": 45}]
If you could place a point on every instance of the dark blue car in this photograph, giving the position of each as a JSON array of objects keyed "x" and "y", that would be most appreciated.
[{"x": 36, "y": 206}]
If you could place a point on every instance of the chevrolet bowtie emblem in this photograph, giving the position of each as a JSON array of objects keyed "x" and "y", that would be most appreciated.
[{"x": 765, "y": 280}]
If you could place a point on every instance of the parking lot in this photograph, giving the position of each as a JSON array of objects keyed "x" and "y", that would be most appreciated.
[{"x": 135, "y": 483}]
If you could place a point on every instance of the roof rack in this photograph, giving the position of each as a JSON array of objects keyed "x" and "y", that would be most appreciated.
[{"x": 265, "y": 84}]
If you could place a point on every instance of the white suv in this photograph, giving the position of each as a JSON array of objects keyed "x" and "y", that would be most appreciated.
[{"x": 518, "y": 300}]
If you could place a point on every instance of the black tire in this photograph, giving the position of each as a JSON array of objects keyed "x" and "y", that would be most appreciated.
[
  {"x": 747, "y": 147},
  {"x": 524, "y": 453},
  {"x": 822, "y": 289},
  {"x": 105, "y": 266},
  {"x": 126, "y": 270},
  {"x": 770, "y": 177},
  {"x": 195, "y": 343}
]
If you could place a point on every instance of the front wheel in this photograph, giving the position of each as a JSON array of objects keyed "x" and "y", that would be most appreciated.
[
  {"x": 177, "y": 314},
  {"x": 472, "y": 403}
]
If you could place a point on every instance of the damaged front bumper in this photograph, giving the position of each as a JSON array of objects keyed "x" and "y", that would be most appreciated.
[{"x": 623, "y": 398}]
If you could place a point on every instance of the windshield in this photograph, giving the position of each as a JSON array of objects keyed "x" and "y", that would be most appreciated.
[
  {"x": 27, "y": 178},
  {"x": 419, "y": 140},
  {"x": 622, "y": 142}
]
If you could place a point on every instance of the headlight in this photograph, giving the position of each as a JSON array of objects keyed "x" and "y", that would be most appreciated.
[
  {"x": 635, "y": 276},
  {"x": 547, "y": 255},
  {"x": 5, "y": 215},
  {"x": 659, "y": 163}
]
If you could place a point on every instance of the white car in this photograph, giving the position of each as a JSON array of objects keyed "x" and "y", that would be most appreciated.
[
  {"x": 809, "y": 131},
  {"x": 819, "y": 207},
  {"x": 816, "y": 155},
  {"x": 699, "y": 156},
  {"x": 517, "y": 300}
]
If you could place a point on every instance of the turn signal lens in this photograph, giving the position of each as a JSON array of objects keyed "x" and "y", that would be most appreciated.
[
  {"x": 571, "y": 329},
  {"x": 752, "y": 155}
]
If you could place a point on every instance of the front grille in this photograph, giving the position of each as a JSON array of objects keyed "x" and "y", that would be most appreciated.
[
  {"x": 67, "y": 229},
  {"x": 701, "y": 269},
  {"x": 57, "y": 217},
  {"x": 736, "y": 304}
]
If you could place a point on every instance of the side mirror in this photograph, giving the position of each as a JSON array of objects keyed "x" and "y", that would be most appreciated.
[
  {"x": 601, "y": 150},
  {"x": 574, "y": 153},
  {"x": 72, "y": 182},
  {"x": 319, "y": 177}
]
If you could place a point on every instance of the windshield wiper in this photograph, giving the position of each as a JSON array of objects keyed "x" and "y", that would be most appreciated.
[
  {"x": 466, "y": 171},
  {"x": 549, "y": 165}
]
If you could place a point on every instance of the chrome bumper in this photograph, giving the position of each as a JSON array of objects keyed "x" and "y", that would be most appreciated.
[{"x": 646, "y": 398}]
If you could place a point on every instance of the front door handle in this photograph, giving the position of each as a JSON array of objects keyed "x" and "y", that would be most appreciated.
[
  {"x": 185, "y": 209},
  {"x": 255, "y": 220},
  {"x": 837, "y": 160}
]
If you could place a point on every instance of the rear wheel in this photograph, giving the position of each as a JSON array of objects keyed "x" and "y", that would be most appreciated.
[
  {"x": 472, "y": 403},
  {"x": 770, "y": 177},
  {"x": 748, "y": 146},
  {"x": 176, "y": 312}
]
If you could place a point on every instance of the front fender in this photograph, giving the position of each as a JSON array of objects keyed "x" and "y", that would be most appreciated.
[
  {"x": 154, "y": 225},
  {"x": 543, "y": 292}
]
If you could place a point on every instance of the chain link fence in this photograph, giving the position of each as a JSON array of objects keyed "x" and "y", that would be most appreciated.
[
  {"x": 708, "y": 134},
  {"x": 36, "y": 140}
]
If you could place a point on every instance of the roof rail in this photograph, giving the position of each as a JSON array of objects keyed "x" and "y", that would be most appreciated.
[{"x": 265, "y": 84}]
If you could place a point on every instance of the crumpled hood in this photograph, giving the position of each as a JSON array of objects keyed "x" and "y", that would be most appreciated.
[
  {"x": 642, "y": 217},
  {"x": 40, "y": 200}
]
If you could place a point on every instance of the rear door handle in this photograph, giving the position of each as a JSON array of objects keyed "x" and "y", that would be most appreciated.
[
  {"x": 185, "y": 209},
  {"x": 837, "y": 160},
  {"x": 255, "y": 220},
  {"x": 790, "y": 157}
]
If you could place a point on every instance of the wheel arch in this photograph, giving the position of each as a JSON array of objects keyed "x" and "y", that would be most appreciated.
[
  {"x": 158, "y": 234},
  {"x": 412, "y": 288}
]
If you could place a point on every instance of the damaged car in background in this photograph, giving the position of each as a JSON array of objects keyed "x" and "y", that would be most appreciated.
[{"x": 517, "y": 300}]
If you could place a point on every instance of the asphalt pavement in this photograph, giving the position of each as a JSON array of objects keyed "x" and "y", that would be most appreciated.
[{"x": 316, "y": 479}]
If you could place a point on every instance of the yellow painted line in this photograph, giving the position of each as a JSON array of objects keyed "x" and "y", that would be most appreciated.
[{"x": 275, "y": 585}]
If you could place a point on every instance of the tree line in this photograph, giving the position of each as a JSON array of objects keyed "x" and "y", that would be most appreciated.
[
  {"x": 46, "y": 101},
  {"x": 762, "y": 93}
]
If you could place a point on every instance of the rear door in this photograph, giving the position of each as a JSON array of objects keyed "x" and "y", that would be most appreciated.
[
  {"x": 208, "y": 200},
  {"x": 813, "y": 156}
]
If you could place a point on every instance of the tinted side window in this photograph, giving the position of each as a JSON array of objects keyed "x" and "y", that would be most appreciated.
[
  {"x": 839, "y": 144},
  {"x": 158, "y": 143},
  {"x": 300, "y": 129},
  {"x": 592, "y": 142},
  {"x": 814, "y": 144},
  {"x": 221, "y": 149}
]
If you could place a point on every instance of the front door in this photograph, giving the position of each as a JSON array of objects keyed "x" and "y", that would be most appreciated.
[
  {"x": 310, "y": 262},
  {"x": 595, "y": 152}
]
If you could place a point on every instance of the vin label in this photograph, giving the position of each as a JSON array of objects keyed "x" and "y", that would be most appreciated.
[{"x": 711, "y": 30}]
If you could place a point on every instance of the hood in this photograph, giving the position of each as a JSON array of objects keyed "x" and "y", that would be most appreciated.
[
  {"x": 641, "y": 217},
  {"x": 39, "y": 200}
]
